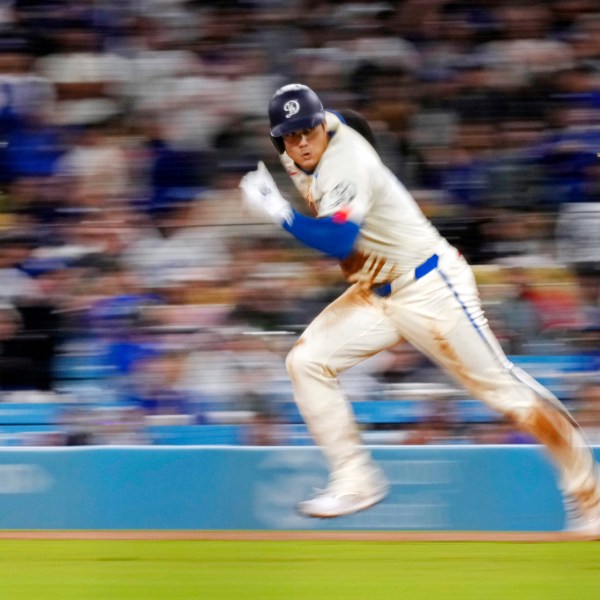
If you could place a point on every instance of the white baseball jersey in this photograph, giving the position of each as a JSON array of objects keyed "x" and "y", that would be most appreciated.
[
  {"x": 431, "y": 301},
  {"x": 351, "y": 179}
]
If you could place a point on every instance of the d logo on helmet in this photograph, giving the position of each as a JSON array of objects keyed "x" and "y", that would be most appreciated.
[{"x": 291, "y": 108}]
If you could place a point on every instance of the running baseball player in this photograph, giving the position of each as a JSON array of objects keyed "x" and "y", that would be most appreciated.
[{"x": 407, "y": 284}]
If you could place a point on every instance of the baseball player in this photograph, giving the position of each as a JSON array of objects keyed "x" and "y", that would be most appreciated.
[{"x": 407, "y": 284}]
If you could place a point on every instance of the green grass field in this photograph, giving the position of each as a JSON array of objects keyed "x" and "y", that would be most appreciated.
[{"x": 305, "y": 570}]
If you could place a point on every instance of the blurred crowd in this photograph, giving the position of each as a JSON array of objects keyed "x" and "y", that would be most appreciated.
[{"x": 134, "y": 291}]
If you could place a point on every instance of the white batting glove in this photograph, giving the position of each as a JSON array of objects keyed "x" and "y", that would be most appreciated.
[{"x": 262, "y": 198}]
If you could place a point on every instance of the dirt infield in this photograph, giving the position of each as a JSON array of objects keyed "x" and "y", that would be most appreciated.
[{"x": 363, "y": 536}]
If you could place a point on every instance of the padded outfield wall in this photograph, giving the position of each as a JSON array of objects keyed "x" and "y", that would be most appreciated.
[{"x": 454, "y": 488}]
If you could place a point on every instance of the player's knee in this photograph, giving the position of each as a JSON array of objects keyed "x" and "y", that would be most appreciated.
[
  {"x": 301, "y": 362},
  {"x": 515, "y": 417},
  {"x": 297, "y": 360},
  {"x": 507, "y": 397},
  {"x": 533, "y": 417}
]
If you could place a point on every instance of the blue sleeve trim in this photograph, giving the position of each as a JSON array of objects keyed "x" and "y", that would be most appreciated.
[{"x": 326, "y": 235}]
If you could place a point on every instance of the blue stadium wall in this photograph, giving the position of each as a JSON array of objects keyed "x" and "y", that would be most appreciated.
[{"x": 460, "y": 488}]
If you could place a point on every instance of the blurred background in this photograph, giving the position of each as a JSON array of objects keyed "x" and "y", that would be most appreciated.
[{"x": 140, "y": 305}]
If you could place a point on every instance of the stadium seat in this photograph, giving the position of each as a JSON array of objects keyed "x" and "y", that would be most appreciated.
[{"x": 182, "y": 435}]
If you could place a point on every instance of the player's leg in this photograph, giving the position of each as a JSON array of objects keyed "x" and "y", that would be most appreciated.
[
  {"x": 349, "y": 330},
  {"x": 550, "y": 422},
  {"x": 464, "y": 345}
]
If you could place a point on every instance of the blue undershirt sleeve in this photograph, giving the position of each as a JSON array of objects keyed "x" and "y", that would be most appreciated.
[{"x": 327, "y": 235}]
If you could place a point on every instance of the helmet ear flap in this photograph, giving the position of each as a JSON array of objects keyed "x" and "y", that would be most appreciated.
[{"x": 278, "y": 143}]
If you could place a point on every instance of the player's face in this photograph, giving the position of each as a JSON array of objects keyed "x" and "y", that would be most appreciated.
[{"x": 306, "y": 147}]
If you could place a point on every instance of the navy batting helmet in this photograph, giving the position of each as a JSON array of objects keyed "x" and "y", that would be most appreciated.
[{"x": 294, "y": 107}]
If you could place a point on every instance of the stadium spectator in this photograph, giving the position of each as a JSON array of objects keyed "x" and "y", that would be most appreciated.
[{"x": 124, "y": 129}]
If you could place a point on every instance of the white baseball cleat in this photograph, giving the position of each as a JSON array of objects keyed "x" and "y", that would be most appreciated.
[
  {"x": 585, "y": 527},
  {"x": 583, "y": 523},
  {"x": 329, "y": 504},
  {"x": 591, "y": 529}
]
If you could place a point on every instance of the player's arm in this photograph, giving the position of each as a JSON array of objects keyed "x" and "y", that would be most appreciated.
[{"x": 333, "y": 235}]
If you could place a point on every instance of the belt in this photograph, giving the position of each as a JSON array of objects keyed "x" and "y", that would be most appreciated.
[{"x": 385, "y": 289}]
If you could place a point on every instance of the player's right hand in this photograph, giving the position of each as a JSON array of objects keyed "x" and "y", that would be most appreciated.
[{"x": 262, "y": 198}]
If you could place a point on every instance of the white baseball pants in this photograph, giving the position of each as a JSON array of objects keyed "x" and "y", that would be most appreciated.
[{"x": 440, "y": 314}]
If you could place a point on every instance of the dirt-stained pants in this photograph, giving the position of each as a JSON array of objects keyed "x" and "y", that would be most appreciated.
[{"x": 440, "y": 314}]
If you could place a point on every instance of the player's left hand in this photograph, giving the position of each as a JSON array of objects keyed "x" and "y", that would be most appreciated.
[{"x": 262, "y": 198}]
